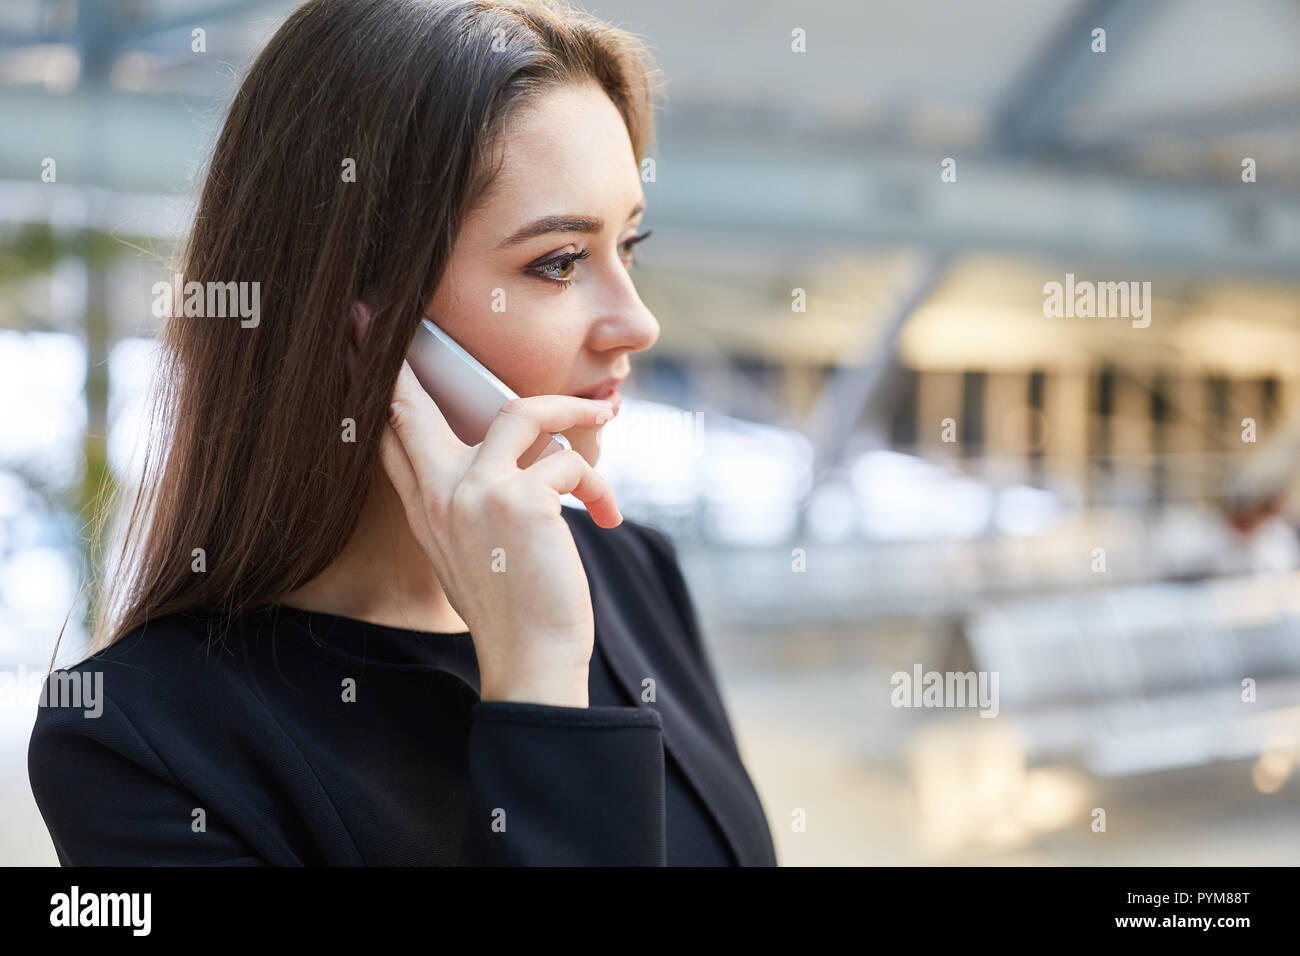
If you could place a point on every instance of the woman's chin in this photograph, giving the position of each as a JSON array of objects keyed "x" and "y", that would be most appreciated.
[{"x": 586, "y": 442}]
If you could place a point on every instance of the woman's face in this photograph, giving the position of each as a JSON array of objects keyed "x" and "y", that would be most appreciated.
[{"x": 543, "y": 322}]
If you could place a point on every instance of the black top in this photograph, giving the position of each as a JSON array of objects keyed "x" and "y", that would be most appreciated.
[{"x": 295, "y": 737}]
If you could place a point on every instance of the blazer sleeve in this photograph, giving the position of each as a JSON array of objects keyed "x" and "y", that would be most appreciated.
[
  {"x": 549, "y": 785},
  {"x": 108, "y": 800},
  {"x": 553, "y": 785}
]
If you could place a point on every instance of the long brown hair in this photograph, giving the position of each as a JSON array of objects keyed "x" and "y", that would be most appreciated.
[{"x": 254, "y": 468}]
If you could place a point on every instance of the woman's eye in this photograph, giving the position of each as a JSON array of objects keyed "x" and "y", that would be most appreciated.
[
  {"x": 625, "y": 248},
  {"x": 561, "y": 268}
]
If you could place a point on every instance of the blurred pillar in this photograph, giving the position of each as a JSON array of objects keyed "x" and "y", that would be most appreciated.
[
  {"x": 1221, "y": 438},
  {"x": 97, "y": 482},
  {"x": 1065, "y": 406},
  {"x": 1185, "y": 438},
  {"x": 800, "y": 386},
  {"x": 939, "y": 397},
  {"x": 1131, "y": 431},
  {"x": 1246, "y": 398},
  {"x": 1288, "y": 401},
  {"x": 1006, "y": 413}
]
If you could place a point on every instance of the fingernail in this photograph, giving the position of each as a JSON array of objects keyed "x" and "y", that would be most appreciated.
[{"x": 602, "y": 417}]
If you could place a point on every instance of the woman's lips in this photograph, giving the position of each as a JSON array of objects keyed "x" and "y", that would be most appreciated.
[
  {"x": 607, "y": 393},
  {"x": 611, "y": 395}
]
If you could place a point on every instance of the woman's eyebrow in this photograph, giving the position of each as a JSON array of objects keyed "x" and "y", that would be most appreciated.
[{"x": 562, "y": 223}]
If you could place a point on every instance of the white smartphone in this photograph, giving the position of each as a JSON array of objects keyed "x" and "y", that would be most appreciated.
[{"x": 468, "y": 395}]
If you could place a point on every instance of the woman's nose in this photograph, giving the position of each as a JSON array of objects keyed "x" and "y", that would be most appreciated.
[{"x": 625, "y": 323}]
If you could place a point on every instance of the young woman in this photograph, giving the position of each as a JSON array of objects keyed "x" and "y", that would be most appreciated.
[{"x": 335, "y": 634}]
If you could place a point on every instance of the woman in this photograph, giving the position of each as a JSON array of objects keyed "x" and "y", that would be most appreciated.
[{"x": 337, "y": 635}]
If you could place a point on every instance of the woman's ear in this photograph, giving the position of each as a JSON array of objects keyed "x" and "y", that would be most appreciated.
[{"x": 360, "y": 325}]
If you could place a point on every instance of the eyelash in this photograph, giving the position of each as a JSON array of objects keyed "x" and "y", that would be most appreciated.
[{"x": 569, "y": 258}]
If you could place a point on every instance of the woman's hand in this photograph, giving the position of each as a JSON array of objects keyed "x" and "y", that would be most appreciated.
[{"x": 475, "y": 512}]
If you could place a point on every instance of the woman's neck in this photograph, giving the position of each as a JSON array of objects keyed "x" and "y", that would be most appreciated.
[{"x": 381, "y": 575}]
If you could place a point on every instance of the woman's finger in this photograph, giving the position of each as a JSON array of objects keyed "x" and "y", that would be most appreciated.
[
  {"x": 431, "y": 446},
  {"x": 398, "y": 467},
  {"x": 569, "y": 473},
  {"x": 521, "y": 420}
]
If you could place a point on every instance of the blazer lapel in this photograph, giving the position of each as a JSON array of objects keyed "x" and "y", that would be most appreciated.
[{"x": 684, "y": 738}]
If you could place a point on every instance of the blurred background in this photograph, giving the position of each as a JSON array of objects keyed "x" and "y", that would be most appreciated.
[{"x": 876, "y": 448}]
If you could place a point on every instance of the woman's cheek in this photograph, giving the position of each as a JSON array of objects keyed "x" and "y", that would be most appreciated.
[
  {"x": 543, "y": 365},
  {"x": 528, "y": 364}
]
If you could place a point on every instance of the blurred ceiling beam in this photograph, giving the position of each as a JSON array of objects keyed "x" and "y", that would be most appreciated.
[
  {"x": 111, "y": 28},
  {"x": 815, "y": 198},
  {"x": 807, "y": 198},
  {"x": 1240, "y": 119},
  {"x": 855, "y": 383},
  {"x": 204, "y": 17},
  {"x": 1030, "y": 114}
]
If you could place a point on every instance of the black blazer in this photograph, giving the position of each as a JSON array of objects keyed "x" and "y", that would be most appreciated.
[{"x": 290, "y": 737}]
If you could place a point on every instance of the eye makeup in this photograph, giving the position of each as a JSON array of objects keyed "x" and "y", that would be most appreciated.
[
  {"x": 629, "y": 243},
  {"x": 559, "y": 270}
]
